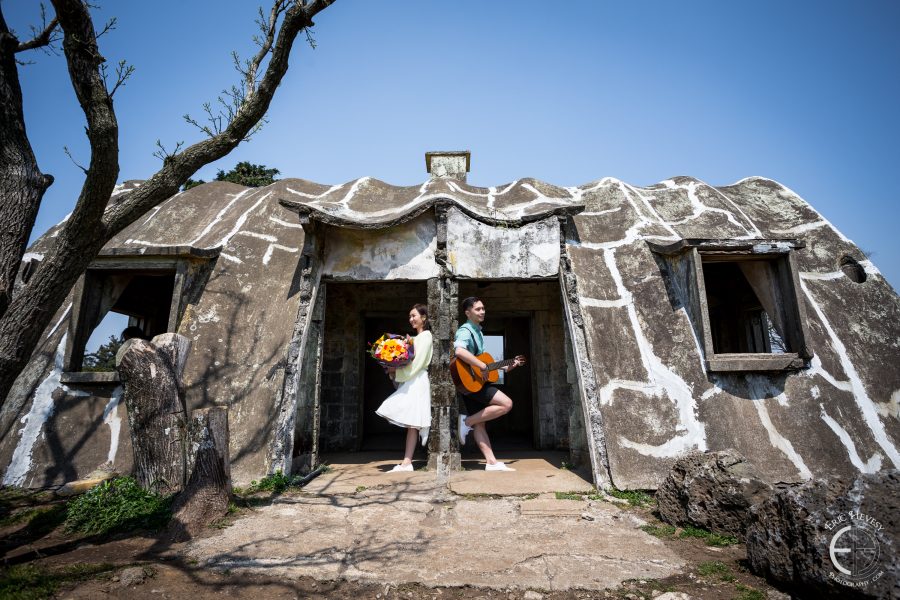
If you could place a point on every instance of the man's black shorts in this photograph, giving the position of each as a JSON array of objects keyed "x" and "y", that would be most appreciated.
[{"x": 480, "y": 399}]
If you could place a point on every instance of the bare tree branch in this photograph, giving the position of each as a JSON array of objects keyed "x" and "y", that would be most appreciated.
[
  {"x": 110, "y": 25},
  {"x": 46, "y": 36},
  {"x": 123, "y": 72},
  {"x": 74, "y": 162},
  {"x": 163, "y": 154},
  {"x": 95, "y": 220}
]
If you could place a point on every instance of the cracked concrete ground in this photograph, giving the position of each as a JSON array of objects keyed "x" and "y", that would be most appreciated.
[{"x": 412, "y": 531}]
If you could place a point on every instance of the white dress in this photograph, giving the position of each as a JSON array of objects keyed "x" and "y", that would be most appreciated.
[{"x": 410, "y": 405}]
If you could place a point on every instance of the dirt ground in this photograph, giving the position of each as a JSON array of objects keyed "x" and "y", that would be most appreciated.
[{"x": 167, "y": 570}]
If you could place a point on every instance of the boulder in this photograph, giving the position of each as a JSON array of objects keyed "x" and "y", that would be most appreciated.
[
  {"x": 792, "y": 537},
  {"x": 712, "y": 490}
]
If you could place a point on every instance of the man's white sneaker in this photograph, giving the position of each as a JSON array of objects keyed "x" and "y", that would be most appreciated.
[
  {"x": 463, "y": 429},
  {"x": 398, "y": 468},
  {"x": 497, "y": 466}
]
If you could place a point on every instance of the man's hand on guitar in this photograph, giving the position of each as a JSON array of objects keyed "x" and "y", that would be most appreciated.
[{"x": 519, "y": 361}]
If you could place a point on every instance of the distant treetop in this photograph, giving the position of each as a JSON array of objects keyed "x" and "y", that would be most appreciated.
[{"x": 250, "y": 175}]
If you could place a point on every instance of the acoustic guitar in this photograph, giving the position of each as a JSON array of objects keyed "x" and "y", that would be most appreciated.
[{"x": 467, "y": 378}]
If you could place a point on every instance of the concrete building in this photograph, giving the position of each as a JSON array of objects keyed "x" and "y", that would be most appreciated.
[{"x": 656, "y": 320}]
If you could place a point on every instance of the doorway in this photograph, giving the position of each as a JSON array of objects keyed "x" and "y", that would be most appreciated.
[
  {"x": 353, "y": 384},
  {"x": 527, "y": 317}
]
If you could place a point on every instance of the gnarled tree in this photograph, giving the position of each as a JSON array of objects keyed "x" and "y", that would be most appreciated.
[{"x": 26, "y": 310}]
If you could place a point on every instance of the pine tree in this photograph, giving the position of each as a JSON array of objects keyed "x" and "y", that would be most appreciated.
[{"x": 104, "y": 359}]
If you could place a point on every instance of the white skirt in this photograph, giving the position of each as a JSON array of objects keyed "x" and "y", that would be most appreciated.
[{"x": 410, "y": 405}]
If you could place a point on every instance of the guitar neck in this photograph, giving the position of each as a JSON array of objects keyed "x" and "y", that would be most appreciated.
[{"x": 499, "y": 364}]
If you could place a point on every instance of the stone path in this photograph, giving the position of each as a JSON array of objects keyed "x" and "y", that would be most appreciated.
[{"x": 406, "y": 530}]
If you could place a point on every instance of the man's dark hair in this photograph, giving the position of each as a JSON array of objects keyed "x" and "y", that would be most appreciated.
[
  {"x": 470, "y": 302},
  {"x": 133, "y": 332}
]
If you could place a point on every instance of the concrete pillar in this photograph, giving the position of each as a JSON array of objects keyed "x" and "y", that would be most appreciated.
[
  {"x": 443, "y": 292},
  {"x": 300, "y": 358},
  {"x": 588, "y": 393}
]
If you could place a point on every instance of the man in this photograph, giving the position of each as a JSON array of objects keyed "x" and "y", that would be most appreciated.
[{"x": 489, "y": 403}]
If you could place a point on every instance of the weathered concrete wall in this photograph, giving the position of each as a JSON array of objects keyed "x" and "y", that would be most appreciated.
[
  {"x": 405, "y": 251},
  {"x": 239, "y": 326},
  {"x": 653, "y": 390},
  {"x": 482, "y": 251},
  {"x": 658, "y": 400}
]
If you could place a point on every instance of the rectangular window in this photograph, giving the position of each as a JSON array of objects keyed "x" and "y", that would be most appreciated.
[
  {"x": 121, "y": 290},
  {"x": 743, "y": 301},
  {"x": 493, "y": 345}
]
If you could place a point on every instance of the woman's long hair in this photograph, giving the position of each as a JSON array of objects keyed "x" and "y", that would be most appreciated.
[{"x": 423, "y": 312}]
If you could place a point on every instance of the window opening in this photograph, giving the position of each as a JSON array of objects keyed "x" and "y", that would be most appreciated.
[
  {"x": 739, "y": 319},
  {"x": 493, "y": 345},
  {"x": 113, "y": 301}
]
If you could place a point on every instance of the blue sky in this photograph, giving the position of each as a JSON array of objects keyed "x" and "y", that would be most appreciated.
[{"x": 805, "y": 93}]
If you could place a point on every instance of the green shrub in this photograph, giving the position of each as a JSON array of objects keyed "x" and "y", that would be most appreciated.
[
  {"x": 277, "y": 482},
  {"x": 118, "y": 504}
]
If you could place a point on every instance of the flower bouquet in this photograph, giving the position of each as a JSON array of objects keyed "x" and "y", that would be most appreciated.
[{"x": 392, "y": 350}]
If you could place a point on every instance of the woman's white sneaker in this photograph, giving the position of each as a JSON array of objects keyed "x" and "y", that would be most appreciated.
[
  {"x": 497, "y": 466},
  {"x": 398, "y": 468}
]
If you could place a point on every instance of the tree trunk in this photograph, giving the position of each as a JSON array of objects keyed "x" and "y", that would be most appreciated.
[
  {"x": 154, "y": 398},
  {"x": 208, "y": 490},
  {"x": 22, "y": 184}
]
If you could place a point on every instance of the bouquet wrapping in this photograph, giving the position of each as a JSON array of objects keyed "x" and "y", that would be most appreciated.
[{"x": 392, "y": 350}]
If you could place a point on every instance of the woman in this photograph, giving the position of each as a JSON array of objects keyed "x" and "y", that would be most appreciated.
[{"x": 410, "y": 405}]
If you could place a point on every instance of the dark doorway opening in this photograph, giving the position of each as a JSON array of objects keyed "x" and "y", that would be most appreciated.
[
  {"x": 527, "y": 316},
  {"x": 378, "y": 434},
  {"x": 353, "y": 384},
  {"x": 512, "y": 335}
]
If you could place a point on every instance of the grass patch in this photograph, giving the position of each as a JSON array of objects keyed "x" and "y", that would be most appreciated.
[
  {"x": 665, "y": 532},
  {"x": 35, "y": 516},
  {"x": 716, "y": 568},
  {"x": 360, "y": 488},
  {"x": 530, "y": 496},
  {"x": 634, "y": 497},
  {"x": 749, "y": 593},
  {"x": 711, "y": 539},
  {"x": 569, "y": 496},
  {"x": 30, "y": 582},
  {"x": 117, "y": 505},
  {"x": 669, "y": 532}
]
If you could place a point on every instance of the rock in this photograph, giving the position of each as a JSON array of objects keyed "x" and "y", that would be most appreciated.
[
  {"x": 790, "y": 536},
  {"x": 674, "y": 596},
  {"x": 132, "y": 576},
  {"x": 712, "y": 490},
  {"x": 532, "y": 595}
]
